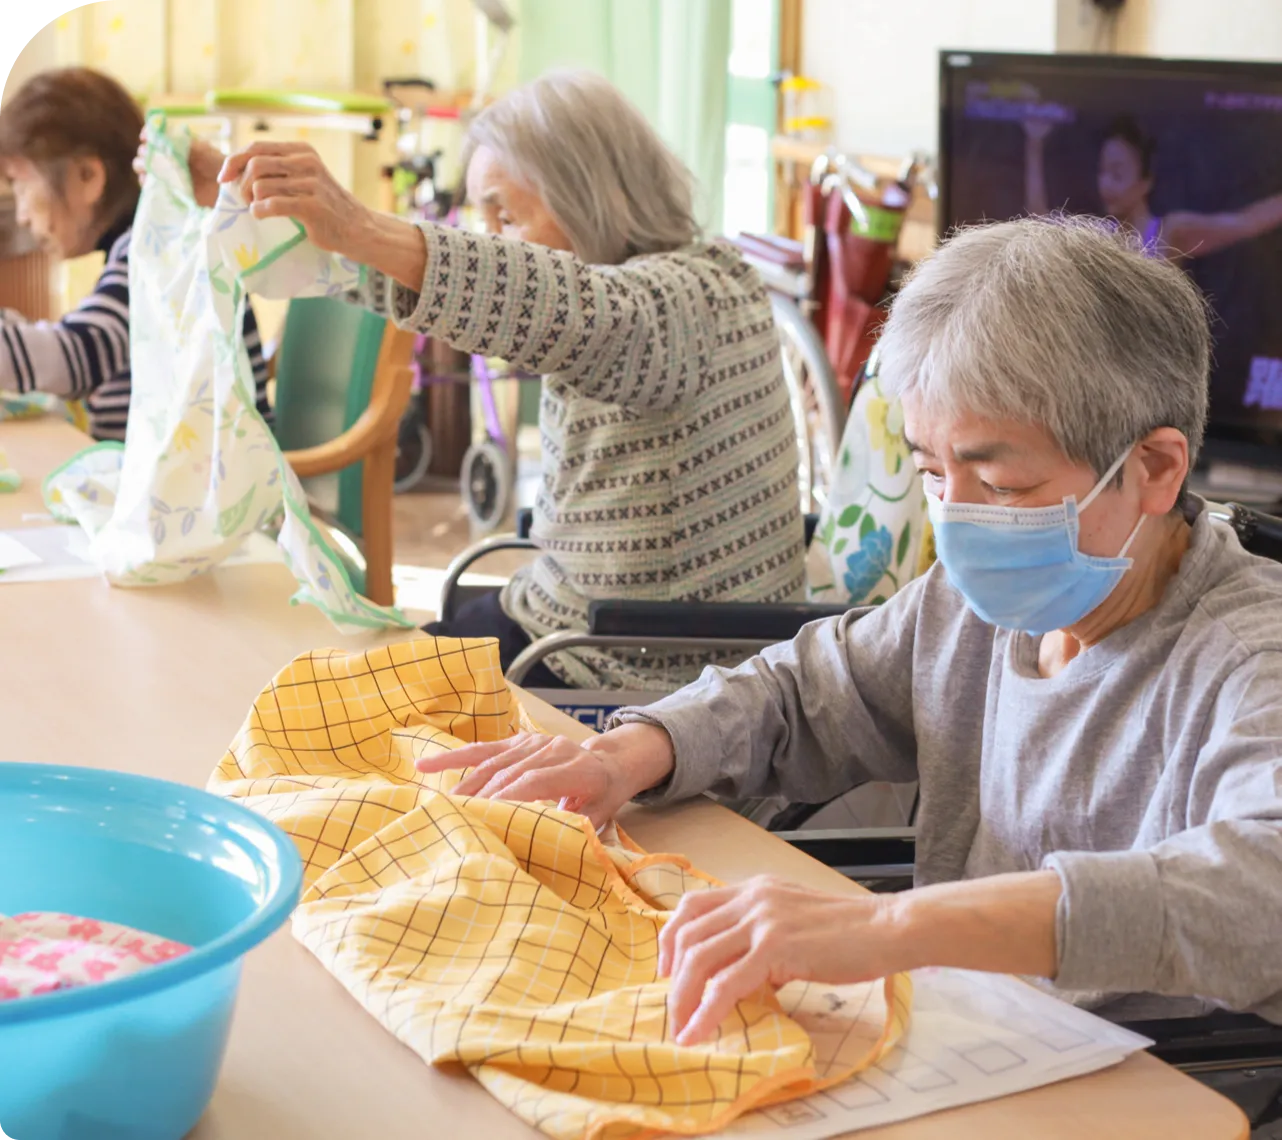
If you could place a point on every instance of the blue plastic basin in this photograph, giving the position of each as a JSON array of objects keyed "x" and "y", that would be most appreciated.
[{"x": 138, "y": 1058}]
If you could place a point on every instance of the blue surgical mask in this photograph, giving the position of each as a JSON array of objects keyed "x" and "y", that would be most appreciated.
[{"x": 1019, "y": 567}]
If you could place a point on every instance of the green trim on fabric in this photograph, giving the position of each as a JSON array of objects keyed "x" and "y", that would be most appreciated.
[
  {"x": 380, "y": 617},
  {"x": 304, "y": 515},
  {"x": 105, "y": 445},
  {"x": 275, "y": 254},
  {"x": 302, "y": 597},
  {"x": 59, "y": 511},
  {"x": 384, "y": 616},
  {"x": 178, "y": 149}
]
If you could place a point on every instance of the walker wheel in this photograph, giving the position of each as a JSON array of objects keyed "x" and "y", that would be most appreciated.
[
  {"x": 413, "y": 455},
  {"x": 486, "y": 482}
]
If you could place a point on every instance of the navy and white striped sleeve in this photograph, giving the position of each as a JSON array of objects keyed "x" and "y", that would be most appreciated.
[{"x": 254, "y": 348}]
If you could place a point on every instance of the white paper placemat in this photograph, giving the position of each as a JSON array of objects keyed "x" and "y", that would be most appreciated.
[{"x": 972, "y": 1037}]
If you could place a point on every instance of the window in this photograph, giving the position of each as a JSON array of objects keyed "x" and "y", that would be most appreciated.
[{"x": 751, "y": 113}]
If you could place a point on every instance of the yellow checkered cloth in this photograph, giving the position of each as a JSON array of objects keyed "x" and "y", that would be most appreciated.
[{"x": 511, "y": 937}]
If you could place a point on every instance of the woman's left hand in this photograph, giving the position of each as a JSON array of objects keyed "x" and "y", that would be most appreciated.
[
  {"x": 721, "y": 946},
  {"x": 288, "y": 179}
]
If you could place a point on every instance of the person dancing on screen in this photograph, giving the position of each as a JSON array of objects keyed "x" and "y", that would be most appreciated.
[{"x": 1125, "y": 182}]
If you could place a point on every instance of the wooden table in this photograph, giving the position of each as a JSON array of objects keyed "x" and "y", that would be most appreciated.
[{"x": 156, "y": 681}]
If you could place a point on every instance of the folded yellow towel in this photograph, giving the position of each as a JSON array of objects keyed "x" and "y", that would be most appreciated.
[{"x": 511, "y": 937}]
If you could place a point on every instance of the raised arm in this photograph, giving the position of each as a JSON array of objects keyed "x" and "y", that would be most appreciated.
[
  {"x": 639, "y": 334},
  {"x": 1036, "y": 199},
  {"x": 1196, "y": 235}
]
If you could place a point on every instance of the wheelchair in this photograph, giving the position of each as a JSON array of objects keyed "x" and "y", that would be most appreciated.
[
  {"x": 1239, "y": 1055},
  {"x": 737, "y": 627}
]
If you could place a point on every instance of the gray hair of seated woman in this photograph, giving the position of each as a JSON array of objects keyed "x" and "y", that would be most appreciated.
[
  {"x": 605, "y": 175},
  {"x": 1057, "y": 321}
]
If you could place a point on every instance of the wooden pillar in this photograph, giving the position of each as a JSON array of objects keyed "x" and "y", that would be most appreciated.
[
  {"x": 26, "y": 271},
  {"x": 25, "y": 285},
  {"x": 787, "y": 199}
]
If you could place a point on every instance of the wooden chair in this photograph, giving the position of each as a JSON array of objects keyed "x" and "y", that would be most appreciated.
[{"x": 343, "y": 380}]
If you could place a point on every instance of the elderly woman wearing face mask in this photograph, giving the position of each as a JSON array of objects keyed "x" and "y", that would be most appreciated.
[
  {"x": 669, "y": 450},
  {"x": 1088, "y": 684}
]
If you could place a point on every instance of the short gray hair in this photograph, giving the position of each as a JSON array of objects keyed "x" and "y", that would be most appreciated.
[
  {"x": 609, "y": 181},
  {"x": 1062, "y": 322}
]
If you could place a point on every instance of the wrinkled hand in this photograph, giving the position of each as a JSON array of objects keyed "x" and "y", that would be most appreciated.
[
  {"x": 722, "y": 946},
  {"x": 204, "y": 161},
  {"x": 288, "y": 179},
  {"x": 595, "y": 781}
]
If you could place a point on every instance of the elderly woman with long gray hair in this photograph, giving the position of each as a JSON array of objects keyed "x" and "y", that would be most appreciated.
[
  {"x": 1088, "y": 684},
  {"x": 669, "y": 448}
]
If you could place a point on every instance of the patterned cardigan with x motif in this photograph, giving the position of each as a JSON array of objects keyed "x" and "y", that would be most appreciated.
[{"x": 669, "y": 451}]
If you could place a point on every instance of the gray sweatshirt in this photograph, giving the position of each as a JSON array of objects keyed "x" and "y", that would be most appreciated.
[{"x": 1147, "y": 773}]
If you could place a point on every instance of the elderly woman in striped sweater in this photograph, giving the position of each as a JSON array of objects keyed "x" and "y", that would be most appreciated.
[
  {"x": 67, "y": 139},
  {"x": 669, "y": 452}
]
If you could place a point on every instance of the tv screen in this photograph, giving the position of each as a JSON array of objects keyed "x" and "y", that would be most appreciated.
[{"x": 1187, "y": 154}]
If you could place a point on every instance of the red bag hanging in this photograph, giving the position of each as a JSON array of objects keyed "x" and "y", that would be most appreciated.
[{"x": 860, "y": 242}]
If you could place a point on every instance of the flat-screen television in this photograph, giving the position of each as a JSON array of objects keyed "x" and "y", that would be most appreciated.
[{"x": 1187, "y": 153}]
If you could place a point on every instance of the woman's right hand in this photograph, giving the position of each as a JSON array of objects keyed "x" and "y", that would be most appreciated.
[
  {"x": 204, "y": 161},
  {"x": 289, "y": 180},
  {"x": 595, "y": 779}
]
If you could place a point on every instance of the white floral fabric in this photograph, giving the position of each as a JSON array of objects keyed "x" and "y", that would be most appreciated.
[
  {"x": 874, "y": 534},
  {"x": 200, "y": 469}
]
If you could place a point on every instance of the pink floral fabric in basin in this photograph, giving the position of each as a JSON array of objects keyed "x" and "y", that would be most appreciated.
[{"x": 41, "y": 953}]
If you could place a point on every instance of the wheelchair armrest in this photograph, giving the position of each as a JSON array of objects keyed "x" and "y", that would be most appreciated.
[
  {"x": 885, "y": 854},
  {"x": 757, "y": 621},
  {"x": 1215, "y": 1041}
]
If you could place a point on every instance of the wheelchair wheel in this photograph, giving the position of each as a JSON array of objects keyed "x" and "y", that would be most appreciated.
[
  {"x": 413, "y": 455},
  {"x": 486, "y": 482},
  {"x": 816, "y": 400}
]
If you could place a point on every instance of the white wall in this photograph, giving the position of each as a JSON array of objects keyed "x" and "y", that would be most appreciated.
[
  {"x": 37, "y": 56},
  {"x": 880, "y": 58},
  {"x": 1203, "y": 29}
]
